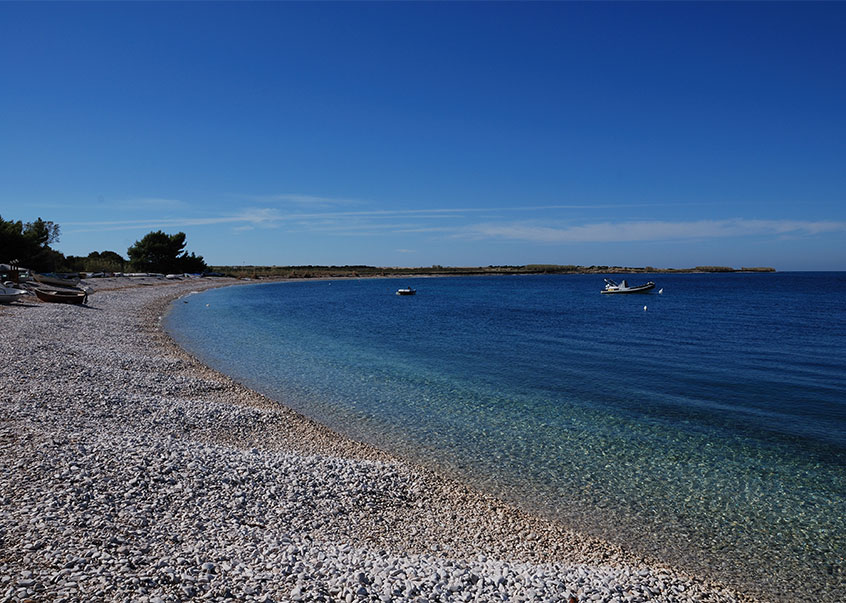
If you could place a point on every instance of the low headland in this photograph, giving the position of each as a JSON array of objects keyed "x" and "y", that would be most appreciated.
[
  {"x": 131, "y": 471},
  {"x": 373, "y": 271}
]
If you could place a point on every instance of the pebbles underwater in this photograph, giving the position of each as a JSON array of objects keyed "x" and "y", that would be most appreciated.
[{"x": 129, "y": 471}]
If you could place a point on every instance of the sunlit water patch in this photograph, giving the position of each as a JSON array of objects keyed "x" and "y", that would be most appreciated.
[{"x": 708, "y": 429}]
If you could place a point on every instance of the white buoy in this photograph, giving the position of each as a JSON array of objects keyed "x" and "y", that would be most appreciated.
[
  {"x": 661, "y": 290},
  {"x": 207, "y": 305},
  {"x": 644, "y": 308}
]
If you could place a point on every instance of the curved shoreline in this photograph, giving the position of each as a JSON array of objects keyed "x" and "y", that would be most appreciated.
[{"x": 146, "y": 451}]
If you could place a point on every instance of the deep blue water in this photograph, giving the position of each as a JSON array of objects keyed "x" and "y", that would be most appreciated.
[{"x": 708, "y": 429}]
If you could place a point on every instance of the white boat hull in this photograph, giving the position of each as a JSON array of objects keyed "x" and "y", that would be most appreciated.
[
  {"x": 8, "y": 294},
  {"x": 622, "y": 288}
]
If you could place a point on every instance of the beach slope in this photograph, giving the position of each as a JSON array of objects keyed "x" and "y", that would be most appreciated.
[{"x": 130, "y": 471}]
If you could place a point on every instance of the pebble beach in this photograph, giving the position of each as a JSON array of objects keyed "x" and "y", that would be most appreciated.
[{"x": 129, "y": 471}]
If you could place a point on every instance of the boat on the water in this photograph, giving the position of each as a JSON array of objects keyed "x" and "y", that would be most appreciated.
[
  {"x": 623, "y": 287},
  {"x": 10, "y": 294},
  {"x": 406, "y": 291},
  {"x": 67, "y": 296},
  {"x": 56, "y": 280}
]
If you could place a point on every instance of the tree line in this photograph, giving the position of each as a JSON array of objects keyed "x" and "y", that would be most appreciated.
[{"x": 28, "y": 245}]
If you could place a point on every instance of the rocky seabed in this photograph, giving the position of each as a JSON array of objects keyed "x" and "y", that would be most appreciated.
[{"x": 130, "y": 472}]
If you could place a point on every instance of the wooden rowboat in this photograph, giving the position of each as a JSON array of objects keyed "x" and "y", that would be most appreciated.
[
  {"x": 62, "y": 297},
  {"x": 56, "y": 280}
]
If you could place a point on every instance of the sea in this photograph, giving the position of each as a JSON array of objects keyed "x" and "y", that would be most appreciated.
[{"x": 702, "y": 424}]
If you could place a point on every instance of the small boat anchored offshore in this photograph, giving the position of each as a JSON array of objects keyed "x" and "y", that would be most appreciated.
[
  {"x": 623, "y": 287},
  {"x": 406, "y": 291}
]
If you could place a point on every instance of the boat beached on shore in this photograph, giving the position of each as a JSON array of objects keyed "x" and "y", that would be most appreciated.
[
  {"x": 56, "y": 280},
  {"x": 10, "y": 294},
  {"x": 67, "y": 296}
]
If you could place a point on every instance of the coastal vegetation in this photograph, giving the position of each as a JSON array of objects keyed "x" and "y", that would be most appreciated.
[
  {"x": 28, "y": 245},
  {"x": 98, "y": 261},
  {"x": 311, "y": 271},
  {"x": 161, "y": 252}
]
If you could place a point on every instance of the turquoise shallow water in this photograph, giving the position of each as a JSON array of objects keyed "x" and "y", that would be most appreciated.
[{"x": 708, "y": 430}]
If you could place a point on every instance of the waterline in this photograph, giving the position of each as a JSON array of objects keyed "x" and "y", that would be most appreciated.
[{"x": 708, "y": 431}]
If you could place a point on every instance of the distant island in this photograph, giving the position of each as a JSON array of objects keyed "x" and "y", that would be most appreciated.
[{"x": 371, "y": 271}]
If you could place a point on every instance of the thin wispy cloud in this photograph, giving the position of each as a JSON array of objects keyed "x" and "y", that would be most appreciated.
[
  {"x": 151, "y": 203},
  {"x": 338, "y": 216},
  {"x": 313, "y": 201},
  {"x": 318, "y": 202},
  {"x": 268, "y": 215},
  {"x": 634, "y": 231},
  {"x": 441, "y": 229},
  {"x": 251, "y": 217}
]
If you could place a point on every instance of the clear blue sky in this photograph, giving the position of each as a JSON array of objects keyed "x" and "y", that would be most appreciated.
[{"x": 665, "y": 134}]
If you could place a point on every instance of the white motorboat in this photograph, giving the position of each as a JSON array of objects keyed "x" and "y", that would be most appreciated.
[
  {"x": 623, "y": 287},
  {"x": 406, "y": 291},
  {"x": 10, "y": 294}
]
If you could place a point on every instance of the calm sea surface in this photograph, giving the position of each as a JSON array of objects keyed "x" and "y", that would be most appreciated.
[{"x": 708, "y": 429}]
